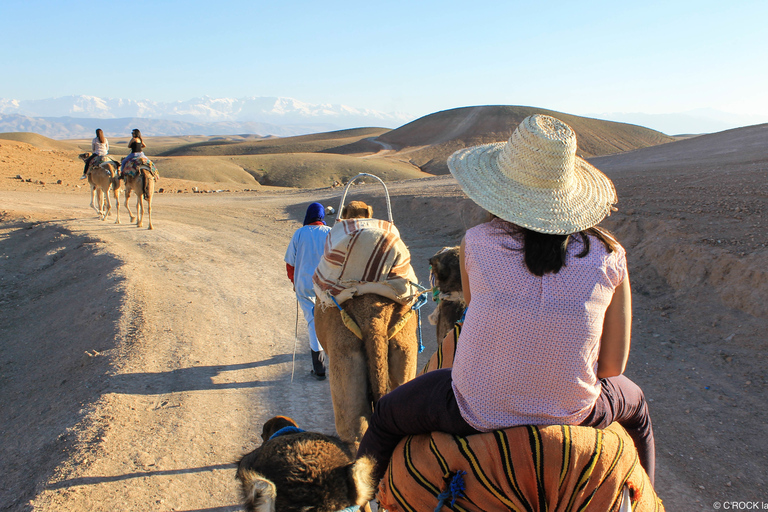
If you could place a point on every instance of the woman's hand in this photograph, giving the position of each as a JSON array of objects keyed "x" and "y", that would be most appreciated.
[{"x": 617, "y": 331}]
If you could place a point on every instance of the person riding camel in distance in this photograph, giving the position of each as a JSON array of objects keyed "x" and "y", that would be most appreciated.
[
  {"x": 546, "y": 335},
  {"x": 301, "y": 259},
  {"x": 136, "y": 144},
  {"x": 99, "y": 147}
]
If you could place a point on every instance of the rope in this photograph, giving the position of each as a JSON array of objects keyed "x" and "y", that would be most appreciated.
[
  {"x": 350, "y": 323},
  {"x": 453, "y": 491},
  {"x": 295, "y": 338},
  {"x": 417, "y": 307}
]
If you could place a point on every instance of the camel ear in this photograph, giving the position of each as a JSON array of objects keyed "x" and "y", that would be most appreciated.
[
  {"x": 259, "y": 493},
  {"x": 370, "y": 212},
  {"x": 362, "y": 475}
]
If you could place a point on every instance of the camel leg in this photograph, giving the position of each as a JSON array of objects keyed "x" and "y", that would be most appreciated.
[
  {"x": 117, "y": 203},
  {"x": 351, "y": 405},
  {"x": 94, "y": 192},
  {"x": 139, "y": 210},
  {"x": 347, "y": 373},
  {"x": 127, "y": 197},
  {"x": 403, "y": 354},
  {"x": 102, "y": 209},
  {"x": 109, "y": 201},
  {"x": 150, "y": 193}
]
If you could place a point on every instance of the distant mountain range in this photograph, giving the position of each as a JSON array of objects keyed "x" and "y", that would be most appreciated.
[
  {"x": 79, "y": 116},
  {"x": 74, "y": 117}
]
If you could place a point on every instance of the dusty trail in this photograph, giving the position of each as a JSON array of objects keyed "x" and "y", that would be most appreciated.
[
  {"x": 137, "y": 365},
  {"x": 206, "y": 334}
]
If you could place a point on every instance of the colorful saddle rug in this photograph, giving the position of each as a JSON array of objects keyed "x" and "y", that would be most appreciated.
[
  {"x": 105, "y": 162},
  {"x": 554, "y": 468},
  {"x": 133, "y": 165},
  {"x": 365, "y": 256}
]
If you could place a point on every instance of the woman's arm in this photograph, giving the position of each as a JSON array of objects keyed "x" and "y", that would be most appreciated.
[
  {"x": 464, "y": 277},
  {"x": 617, "y": 330}
]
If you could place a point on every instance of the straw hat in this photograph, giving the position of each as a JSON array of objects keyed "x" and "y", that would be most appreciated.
[{"x": 535, "y": 179}]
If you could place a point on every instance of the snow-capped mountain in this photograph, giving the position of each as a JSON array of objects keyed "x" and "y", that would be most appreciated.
[{"x": 205, "y": 110}]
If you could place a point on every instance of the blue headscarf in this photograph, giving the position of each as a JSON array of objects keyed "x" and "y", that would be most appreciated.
[{"x": 315, "y": 212}]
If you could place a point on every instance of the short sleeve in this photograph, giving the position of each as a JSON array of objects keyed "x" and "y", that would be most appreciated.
[{"x": 617, "y": 266}]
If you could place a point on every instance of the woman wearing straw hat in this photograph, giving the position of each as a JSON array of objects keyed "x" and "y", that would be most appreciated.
[{"x": 547, "y": 332}]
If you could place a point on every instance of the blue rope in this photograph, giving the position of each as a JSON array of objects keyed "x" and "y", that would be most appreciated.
[
  {"x": 417, "y": 306},
  {"x": 334, "y": 301},
  {"x": 453, "y": 491}
]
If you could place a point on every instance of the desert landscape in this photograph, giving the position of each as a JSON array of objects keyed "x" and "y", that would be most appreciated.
[{"x": 136, "y": 366}]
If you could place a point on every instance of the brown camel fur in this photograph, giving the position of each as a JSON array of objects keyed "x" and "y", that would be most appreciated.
[
  {"x": 446, "y": 272},
  {"x": 362, "y": 371},
  {"x": 302, "y": 471},
  {"x": 102, "y": 178},
  {"x": 357, "y": 210},
  {"x": 143, "y": 185}
]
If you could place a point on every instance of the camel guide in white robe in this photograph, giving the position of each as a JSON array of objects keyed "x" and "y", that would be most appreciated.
[{"x": 301, "y": 259}]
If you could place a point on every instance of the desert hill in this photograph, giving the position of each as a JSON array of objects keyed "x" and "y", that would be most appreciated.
[
  {"x": 313, "y": 143},
  {"x": 427, "y": 142},
  {"x": 40, "y": 141},
  {"x": 740, "y": 147},
  {"x": 414, "y": 150},
  {"x": 299, "y": 170}
]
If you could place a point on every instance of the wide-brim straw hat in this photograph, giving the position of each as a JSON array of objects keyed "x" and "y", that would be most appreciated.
[{"x": 535, "y": 179}]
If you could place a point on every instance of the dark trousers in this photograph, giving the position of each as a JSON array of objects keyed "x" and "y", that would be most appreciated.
[
  {"x": 88, "y": 162},
  {"x": 427, "y": 404}
]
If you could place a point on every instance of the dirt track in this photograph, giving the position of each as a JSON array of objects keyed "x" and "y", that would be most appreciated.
[{"x": 137, "y": 365}]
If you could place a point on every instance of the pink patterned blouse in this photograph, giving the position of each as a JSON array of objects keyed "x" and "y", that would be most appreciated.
[{"x": 527, "y": 354}]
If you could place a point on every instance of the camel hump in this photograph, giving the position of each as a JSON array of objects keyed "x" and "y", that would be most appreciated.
[{"x": 376, "y": 315}]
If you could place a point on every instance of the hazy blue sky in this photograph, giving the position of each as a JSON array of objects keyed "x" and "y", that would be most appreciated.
[{"x": 409, "y": 56}]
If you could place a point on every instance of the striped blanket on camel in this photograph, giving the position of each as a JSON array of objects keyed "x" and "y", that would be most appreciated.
[
  {"x": 365, "y": 256},
  {"x": 554, "y": 468}
]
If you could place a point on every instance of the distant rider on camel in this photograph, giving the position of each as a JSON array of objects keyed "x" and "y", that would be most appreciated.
[{"x": 137, "y": 145}]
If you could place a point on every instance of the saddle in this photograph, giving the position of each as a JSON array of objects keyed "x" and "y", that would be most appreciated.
[
  {"x": 365, "y": 256},
  {"x": 105, "y": 162},
  {"x": 555, "y": 468},
  {"x": 133, "y": 166}
]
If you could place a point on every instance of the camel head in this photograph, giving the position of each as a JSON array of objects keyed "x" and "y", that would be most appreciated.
[
  {"x": 446, "y": 269},
  {"x": 275, "y": 424},
  {"x": 357, "y": 210},
  {"x": 84, "y": 156},
  {"x": 300, "y": 471}
]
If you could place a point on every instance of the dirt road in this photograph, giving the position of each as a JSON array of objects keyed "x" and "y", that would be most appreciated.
[{"x": 138, "y": 365}]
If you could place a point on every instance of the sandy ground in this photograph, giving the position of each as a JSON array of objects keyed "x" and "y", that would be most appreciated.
[{"x": 137, "y": 365}]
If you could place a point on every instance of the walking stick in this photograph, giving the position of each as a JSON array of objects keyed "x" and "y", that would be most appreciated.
[{"x": 295, "y": 338}]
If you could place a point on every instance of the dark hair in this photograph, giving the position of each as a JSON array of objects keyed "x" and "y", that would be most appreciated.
[
  {"x": 544, "y": 253},
  {"x": 135, "y": 133},
  {"x": 100, "y": 136}
]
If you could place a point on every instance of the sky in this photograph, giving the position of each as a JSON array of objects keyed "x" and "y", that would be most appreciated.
[{"x": 415, "y": 57}]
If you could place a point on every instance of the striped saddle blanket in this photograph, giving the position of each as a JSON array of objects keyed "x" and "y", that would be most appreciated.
[
  {"x": 528, "y": 468},
  {"x": 132, "y": 166},
  {"x": 365, "y": 256}
]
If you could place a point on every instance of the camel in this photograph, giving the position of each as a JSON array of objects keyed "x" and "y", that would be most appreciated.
[
  {"x": 142, "y": 183},
  {"x": 102, "y": 177},
  {"x": 294, "y": 471},
  {"x": 363, "y": 369},
  {"x": 445, "y": 274}
]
